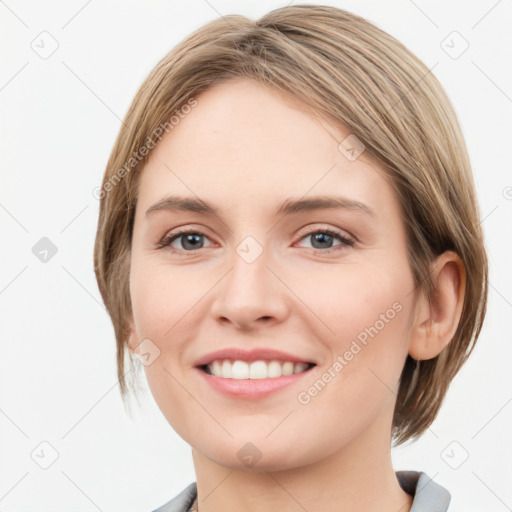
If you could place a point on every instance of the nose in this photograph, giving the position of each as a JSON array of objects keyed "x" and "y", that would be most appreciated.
[{"x": 251, "y": 295}]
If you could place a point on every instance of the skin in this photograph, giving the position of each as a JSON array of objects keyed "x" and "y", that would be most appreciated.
[{"x": 247, "y": 149}]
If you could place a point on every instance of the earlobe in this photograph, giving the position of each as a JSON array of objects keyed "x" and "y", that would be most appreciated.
[{"x": 436, "y": 323}]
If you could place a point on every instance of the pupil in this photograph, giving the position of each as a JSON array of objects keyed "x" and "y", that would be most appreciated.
[
  {"x": 321, "y": 237},
  {"x": 194, "y": 240}
]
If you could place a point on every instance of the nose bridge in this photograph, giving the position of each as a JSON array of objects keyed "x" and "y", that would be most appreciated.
[{"x": 250, "y": 291}]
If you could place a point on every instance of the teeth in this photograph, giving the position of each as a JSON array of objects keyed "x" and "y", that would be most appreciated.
[
  {"x": 288, "y": 368},
  {"x": 256, "y": 370},
  {"x": 226, "y": 369},
  {"x": 239, "y": 370}
]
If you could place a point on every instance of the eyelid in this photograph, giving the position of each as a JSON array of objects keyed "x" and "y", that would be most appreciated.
[
  {"x": 175, "y": 233},
  {"x": 319, "y": 226},
  {"x": 346, "y": 239},
  {"x": 311, "y": 229}
]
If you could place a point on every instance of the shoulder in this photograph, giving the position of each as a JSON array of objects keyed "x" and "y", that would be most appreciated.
[
  {"x": 429, "y": 495},
  {"x": 181, "y": 502}
]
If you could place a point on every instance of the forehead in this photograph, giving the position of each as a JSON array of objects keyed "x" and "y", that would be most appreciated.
[{"x": 244, "y": 141}]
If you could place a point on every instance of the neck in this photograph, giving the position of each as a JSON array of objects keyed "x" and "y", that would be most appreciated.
[{"x": 358, "y": 477}]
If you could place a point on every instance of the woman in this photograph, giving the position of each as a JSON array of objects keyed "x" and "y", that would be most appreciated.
[{"x": 289, "y": 240}]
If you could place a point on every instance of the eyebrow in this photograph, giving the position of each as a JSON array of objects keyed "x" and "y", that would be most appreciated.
[{"x": 289, "y": 207}]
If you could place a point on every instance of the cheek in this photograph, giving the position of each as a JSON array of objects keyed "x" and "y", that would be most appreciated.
[
  {"x": 167, "y": 307},
  {"x": 365, "y": 314},
  {"x": 161, "y": 297},
  {"x": 162, "y": 303},
  {"x": 359, "y": 381},
  {"x": 359, "y": 313},
  {"x": 348, "y": 300}
]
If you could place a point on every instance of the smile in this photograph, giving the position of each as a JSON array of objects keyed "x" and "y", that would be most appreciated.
[{"x": 260, "y": 369}]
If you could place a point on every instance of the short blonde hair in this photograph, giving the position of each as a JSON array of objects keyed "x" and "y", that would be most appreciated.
[{"x": 352, "y": 73}]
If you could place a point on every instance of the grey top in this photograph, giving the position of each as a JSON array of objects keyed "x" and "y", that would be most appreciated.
[{"x": 428, "y": 496}]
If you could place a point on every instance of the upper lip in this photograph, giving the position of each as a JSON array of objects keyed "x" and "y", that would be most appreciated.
[{"x": 256, "y": 354}]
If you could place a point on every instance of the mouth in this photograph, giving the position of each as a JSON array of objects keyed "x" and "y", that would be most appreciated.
[{"x": 254, "y": 370}]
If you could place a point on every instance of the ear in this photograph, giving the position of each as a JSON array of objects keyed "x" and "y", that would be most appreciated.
[{"x": 436, "y": 323}]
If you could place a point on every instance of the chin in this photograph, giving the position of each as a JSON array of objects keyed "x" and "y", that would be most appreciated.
[{"x": 259, "y": 456}]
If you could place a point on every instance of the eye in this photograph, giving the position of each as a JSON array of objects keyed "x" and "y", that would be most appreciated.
[
  {"x": 323, "y": 239},
  {"x": 189, "y": 240}
]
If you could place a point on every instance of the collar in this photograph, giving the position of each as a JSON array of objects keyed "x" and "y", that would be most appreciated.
[{"x": 428, "y": 496}]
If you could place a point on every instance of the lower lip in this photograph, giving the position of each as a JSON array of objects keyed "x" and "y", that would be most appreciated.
[{"x": 251, "y": 388}]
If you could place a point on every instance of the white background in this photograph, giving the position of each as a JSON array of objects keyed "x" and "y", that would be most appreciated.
[{"x": 59, "y": 119}]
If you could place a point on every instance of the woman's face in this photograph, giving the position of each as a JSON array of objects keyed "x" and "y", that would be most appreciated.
[{"x": 325, "y": 285}]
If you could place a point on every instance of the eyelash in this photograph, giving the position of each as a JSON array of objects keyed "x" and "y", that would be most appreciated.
[{"x": 167, "y": 240}]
